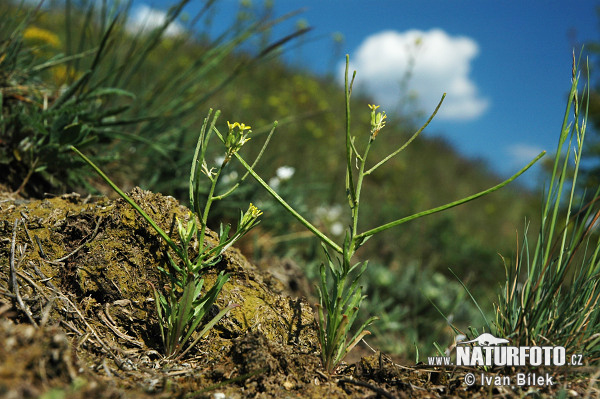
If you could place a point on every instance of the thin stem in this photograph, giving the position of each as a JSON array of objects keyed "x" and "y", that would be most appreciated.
[
  {"x": 205, "y": 137},
  {"x": 414, "y": 136},
  {"x": 566, "y": 127},
  {"x": 258, "y": 157},
  {"x": 209, "y": 201},
  {"x": 291, "y": 210},
  {"x": 200, "y": 145},
  {"x": 361, "y": 176},
  {"x": 283, "y": 203},
  {"x": 579, "y": 132},
  {"x": 355, "y": 150},
  {"x": 351, "y": 193},
  {"x": 449, "y": 205},
  {"x": 160, "y": 231}
]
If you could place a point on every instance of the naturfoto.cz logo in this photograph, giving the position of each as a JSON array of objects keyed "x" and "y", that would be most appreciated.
[
  {"x": 510, "y": 356},
  {"x": 490, "y": 353}
]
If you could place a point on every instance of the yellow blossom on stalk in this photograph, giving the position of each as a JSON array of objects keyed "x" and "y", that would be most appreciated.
[
  {"x": 255, "y": 212},
  {"x": 42, "y": 35},
  {"x": 236, "y": 138},
  {"x": 249, "y": 218},
  {"x": 377, "y": 120}
]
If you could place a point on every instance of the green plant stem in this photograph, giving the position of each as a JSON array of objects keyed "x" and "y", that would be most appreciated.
[
  {"x": 258, "y": 157},
  {"x": 349, "y": 179},
  {"x": 386, "y": 226},
  {"x": 209, "y": 201},
  {"x": 565, "y": 129},
  {"x": 200, "y": 151},
  {"x": 361, "y": 176},
  {"x": 160, "y": 231},
  {"x": 287, "y": 206},
  {"x": 580, "y": 135},
  {"x": 414, "y": 136}
]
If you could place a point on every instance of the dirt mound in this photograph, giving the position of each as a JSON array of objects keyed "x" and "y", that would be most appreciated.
[{"x": 85, "y": 267}]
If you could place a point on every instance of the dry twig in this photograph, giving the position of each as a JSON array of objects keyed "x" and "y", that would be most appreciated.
[{"x": 13, "y": 277}]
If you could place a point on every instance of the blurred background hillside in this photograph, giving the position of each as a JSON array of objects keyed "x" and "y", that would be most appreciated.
[{"x": 134, "y": 97}]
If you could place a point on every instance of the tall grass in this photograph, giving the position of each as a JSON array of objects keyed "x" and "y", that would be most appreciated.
[
  {"x": 111, "y": 91},
  {"x": 552, "y": 295}
]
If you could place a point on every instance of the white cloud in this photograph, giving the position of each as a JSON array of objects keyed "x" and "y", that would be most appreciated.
[
  {"x": 521, "y": 154},
  {"x": 144, "y": 18},
  {"x": 442, "y": 63}
]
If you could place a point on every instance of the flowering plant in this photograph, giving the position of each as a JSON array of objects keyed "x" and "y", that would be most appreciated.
[
  {"x": 340, "y": 294},
  {"x": 183, "y": 307}
]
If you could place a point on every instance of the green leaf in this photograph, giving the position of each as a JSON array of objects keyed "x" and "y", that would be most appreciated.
[
  {"x": 205, "y": 303},
  {"x": 110, "y": 91},
  {"x": 208, "y": 326},
  {"x": 183, "y": 314},
  {"x": 159, "y": 302}
]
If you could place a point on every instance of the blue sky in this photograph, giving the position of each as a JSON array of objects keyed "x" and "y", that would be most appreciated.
[{"x": 504, "y": 64}]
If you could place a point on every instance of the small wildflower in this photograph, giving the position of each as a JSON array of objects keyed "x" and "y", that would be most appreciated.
[
  {"x": 254, "y": 211},
  {"x": 285, "y": 172},
  {"x": 236, "y": 138},
  {"x": 249, "y": 219},
  {"x": 282, "y": 174},
  {"x": 377, "y": 120},
  {"x": 206, "y": 171},
  {"x": 41, "y": 35}
]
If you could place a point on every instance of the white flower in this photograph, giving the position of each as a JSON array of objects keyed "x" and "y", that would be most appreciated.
[
  {"x": 285, "y": 172},
  {"x": 337, "y": 228},
  {"x": 332, "y": 217}
]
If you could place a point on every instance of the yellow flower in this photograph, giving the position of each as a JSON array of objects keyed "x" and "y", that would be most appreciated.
[
  {"x": 255, "y": 212},
  {"x": 249, "y": 218},
  {"x": 240, "y": 126},
  {"x": 235, "y": 139},
  {"x": 38, "y": 34},
  {"x": 244, "y": 127}
]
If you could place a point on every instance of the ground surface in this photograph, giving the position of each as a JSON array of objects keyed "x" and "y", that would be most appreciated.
[{"x": 77, "y": 320}]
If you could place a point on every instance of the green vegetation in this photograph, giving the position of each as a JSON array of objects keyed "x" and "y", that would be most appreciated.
[
  {"x": 135, "y": 102},
  {"x": 184, "y": 307},
  {"x": 90, "y": 104},
  {"x": 557, "y": 302},
  {"x": 340, "y": 294},
  {"x": 105, "y": 89}
]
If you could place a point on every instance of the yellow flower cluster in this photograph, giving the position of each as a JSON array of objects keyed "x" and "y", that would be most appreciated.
[
  {"x": 254, "y": 211},
  {"x": 34, "y": 33},
  {"x": 241, "y": 126},
  {"x": 235, "y": 140}
]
